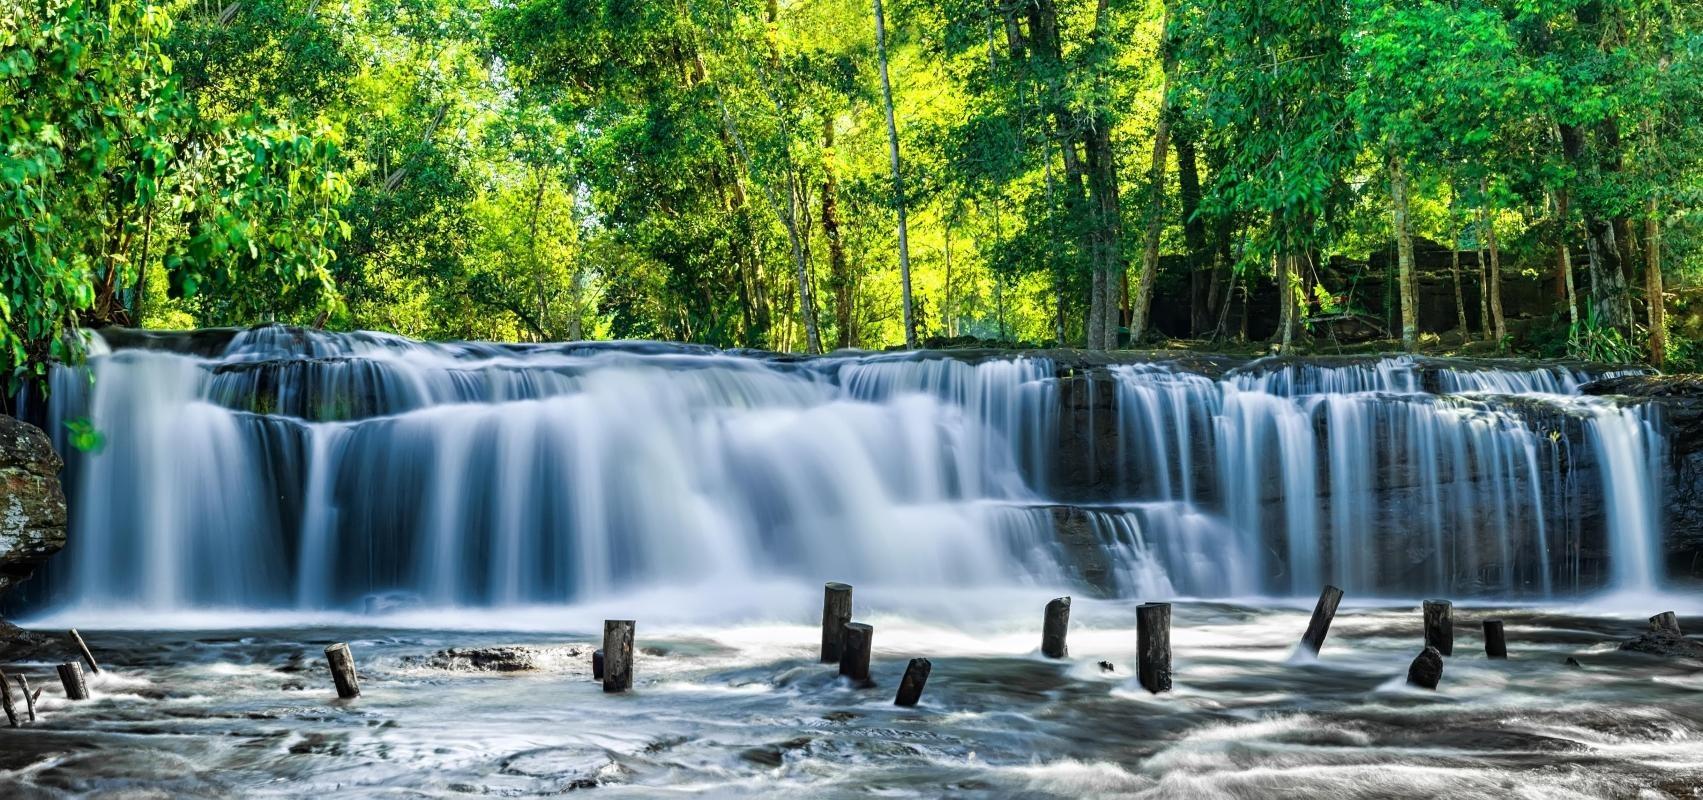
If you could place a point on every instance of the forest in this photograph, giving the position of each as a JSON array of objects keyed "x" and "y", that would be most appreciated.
[{"x": 1522, "y": 176}]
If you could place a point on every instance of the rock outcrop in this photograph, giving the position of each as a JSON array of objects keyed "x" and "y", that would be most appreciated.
[{"x": 32, "y": 506}]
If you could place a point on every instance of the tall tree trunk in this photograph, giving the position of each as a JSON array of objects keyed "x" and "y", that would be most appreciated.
[
  {"x": 1609, "y": 301},
  {"x": 1564, "y": 264},
  {"x": 1460, "y": 298},
  {"x": 1288, "y": 317},
  {"x": 1141, "y": 305},
  {"x": 1047, "y": 48},
  {"x": 839, "y": 271},
  {"x": 946, "y": 315},
  {"x": 1404, "y": 257},
  {"x": 898, "y": 178},
  {"x": 1107, "y": 218},
  {"x": 1497, "y": 321},
  {"x": 1194, "y": 234},
  {"x": 1653, "y": 286}
]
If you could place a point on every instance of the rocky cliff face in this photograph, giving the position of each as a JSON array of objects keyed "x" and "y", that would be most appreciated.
[{"x": 32, "y": 506}]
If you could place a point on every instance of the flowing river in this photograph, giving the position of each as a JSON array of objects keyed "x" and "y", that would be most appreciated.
[{"x": 259, "y": 494}]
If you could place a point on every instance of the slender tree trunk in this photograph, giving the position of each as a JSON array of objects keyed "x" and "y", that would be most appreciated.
[
  {"x": 1404, "y": 257},
  {"x": 1460, "y": 298},
  {"x": 1287, "y": 318},
  {"x": 946, "y": 315},
  {"x": 839, "y": 271},
  {"x": 1194, "y": 234},
  {"x": 1653, "y": 286},
  {"x": 898, "y": 178},
  {"x": 1497, "y": 321},
  {"x": 1564, "y": 264},
  {"x": 1141, "y": 305}
]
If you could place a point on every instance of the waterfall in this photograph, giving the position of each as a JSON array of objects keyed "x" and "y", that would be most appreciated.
[{"x": 280, "y": 468}]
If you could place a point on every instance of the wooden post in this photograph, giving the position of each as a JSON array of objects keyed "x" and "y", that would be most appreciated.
[
  {"x": 1323, "y": 613},
  {"x": 597, "y": 665},
  {"x": 1666, "y": 621},
  {"x": 1426, "y": 670},
  {"x": 1153, "y": 646},
  {"x": 618, "y": 655},
  {"x": 1495, "y": 641},
  {"x": 71, "y": 675},
  {"x": 83, "y": 648},
  {"x": 1440, "y": 626},
  {"x": 836, "y": 612},
  {"x": 854, "y": 653},
  {"x": 12, "y": 710},
  {"x": 342, "y": 663},
  {"x": 1054, "y": 628},
  {"x": 29, "y": 699},
  {"x": 910, "y": 687}
]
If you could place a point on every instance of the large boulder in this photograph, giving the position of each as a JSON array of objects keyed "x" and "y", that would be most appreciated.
[{"x": 32, "y": 506}]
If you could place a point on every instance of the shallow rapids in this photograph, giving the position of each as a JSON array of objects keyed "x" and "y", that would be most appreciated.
[{"x": 242, "y": 705}]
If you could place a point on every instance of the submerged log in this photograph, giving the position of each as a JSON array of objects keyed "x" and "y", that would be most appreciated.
[
  {"x": 1495, "y": 641},
  {"x": 1323, "y": 613},
  {"x": 597, "y": 665},
  {"x": 29, "y": 699},
  {"x": 342, "y": 663},
  {"x": 618, "y": 655},
  {"x": 83, "y": 648},
  {"x": 1426, "y": 670},
  {"x": 1153, "y": 646},
  {"x": 1054, "y": 628},
  {"x": 836, "y": 612},
  {"x": 1440, "y": 626},
  {"x": 71, "y": 676},
  {"x": 1667, "y": 622},
  {"x": 910, "y": 687},
  {"x": 855, "y": 647}
]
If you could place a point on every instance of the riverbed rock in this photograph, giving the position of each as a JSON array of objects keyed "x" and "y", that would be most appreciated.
[
  {"x": 518, "y": 658},
  {"x": 32, "y": 506},
  {"x": 1666, "y": 644}
]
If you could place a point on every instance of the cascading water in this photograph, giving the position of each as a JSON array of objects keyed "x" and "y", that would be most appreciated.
[{"x": 289, "y": 469}]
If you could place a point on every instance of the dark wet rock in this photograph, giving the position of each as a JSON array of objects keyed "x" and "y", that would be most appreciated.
[
  {"x": 1106, "y": 666},
  {"x": 771, "y": 755},
  {"x": 568, "y": 768},
  {"x": 1427, "y": 669},
  {"x": 32, "y": 506},
  {"x": 1666, "y": 644},
  {"x": 502, "y": 659},
  {"x": 1572, "y": 663}
]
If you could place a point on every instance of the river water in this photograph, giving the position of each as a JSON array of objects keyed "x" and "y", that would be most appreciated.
[
  {"x": 258, "y": 494},
  {"x": 741, "y": 708}
]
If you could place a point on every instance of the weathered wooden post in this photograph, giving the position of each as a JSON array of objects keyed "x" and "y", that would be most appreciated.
[
  {"x": 836, "y": 612},
  {"x": 1054, "y": 628},
  {"x": 71, "y": 676},
  {"x": 1440, "y": 626},
  {"x": 83, "y": 648},
  {"x": 1495, "y": 641},
  {"x": 12, "y": 710},
  {"x": 597, "y": 665},
  {"x": 1323, "y": 613},
  {"x": 910, "y": 687},
  {"x": 1666, "y": 621},
  {"x": 29, "y": 699},
  {"x": 1426, "y": 670},
  {"x": 1153, "y": 646},
  {"x": 342, "y": 663},
  {"x": 617, "y": 655},
  {"x": 854, "y": 653}
]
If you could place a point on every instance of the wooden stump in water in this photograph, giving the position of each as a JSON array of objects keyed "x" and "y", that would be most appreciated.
[
  {"x": 1153, "y": 646},
  {"x": 1426, "y": 670},
  {"x": 1323, "y": 613},
  {"x": 1440, "y": 626},
  {"x": 71, "y": 675},
  {"x": 855, "y": 647},
  {"x": 1054, "y": 628},
  {"x": 1495, "y": 641},
  {"x": 29, "y": 699},
  {"x": 6, "y": 700},
  {"x": 916, "y": 676},
  {"x": 618, "y": 655},
  {"x": 342, "y": 663},
  {"x": 597, "y": 665},
  {"x": 1666, "y": 621},
  {"x": 836, "y": 612},
  {"x": 83, "y": 648}
]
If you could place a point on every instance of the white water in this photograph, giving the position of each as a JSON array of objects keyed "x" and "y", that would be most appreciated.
[{"x": 317, "y": 471}]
